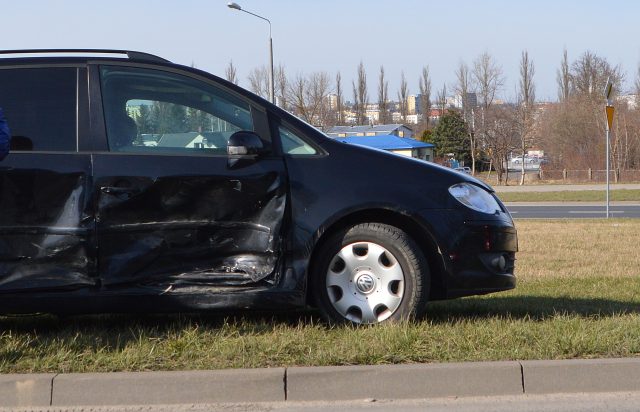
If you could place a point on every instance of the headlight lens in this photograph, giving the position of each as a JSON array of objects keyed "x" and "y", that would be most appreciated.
[{"x": 474, "y": 197}]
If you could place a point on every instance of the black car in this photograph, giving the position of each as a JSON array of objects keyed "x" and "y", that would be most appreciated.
[{"x": 136, "y": 184}]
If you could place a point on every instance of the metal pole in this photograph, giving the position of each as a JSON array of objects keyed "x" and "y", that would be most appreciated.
[
  {"x": 272, "y": 94},
  {"x": 607, "y": 171}
]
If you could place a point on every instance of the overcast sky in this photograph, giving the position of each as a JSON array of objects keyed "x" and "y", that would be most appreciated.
[{"x": 335, "y": 35}]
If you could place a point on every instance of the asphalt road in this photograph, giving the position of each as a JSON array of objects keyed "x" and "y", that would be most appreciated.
[{"x": 572, "y": 210}]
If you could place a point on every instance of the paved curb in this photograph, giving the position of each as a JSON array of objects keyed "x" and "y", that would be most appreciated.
[
  {"x": 417, "y": 381},
  {"x": 404, "y": 381}
]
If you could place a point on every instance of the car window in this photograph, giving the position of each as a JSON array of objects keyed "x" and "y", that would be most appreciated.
[
  {"x": 40, "y": 107},
  {"x": 154, "y": 111},
  {"x": 294, "y": 145}
]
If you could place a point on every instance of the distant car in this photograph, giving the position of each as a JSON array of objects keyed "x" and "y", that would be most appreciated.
[
  {"x": 464, "y": 169},
  {"x": 137, "y": 184},
  {"x": 527, "y": 160}
]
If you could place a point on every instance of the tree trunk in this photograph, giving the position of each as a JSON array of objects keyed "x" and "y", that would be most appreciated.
[{"x": 522, "y": 169}]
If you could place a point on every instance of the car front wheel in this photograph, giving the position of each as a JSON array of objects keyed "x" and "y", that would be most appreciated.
[{"x": 370, "y": 273}]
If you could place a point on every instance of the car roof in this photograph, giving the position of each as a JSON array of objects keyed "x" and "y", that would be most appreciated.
[{"x": 80, "y": 54}]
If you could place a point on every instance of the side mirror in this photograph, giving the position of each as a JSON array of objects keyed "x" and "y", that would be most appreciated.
[{"x": 244, "y": 143}]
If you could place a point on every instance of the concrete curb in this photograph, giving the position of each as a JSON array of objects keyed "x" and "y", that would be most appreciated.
[{"x": 416, "y": 381}]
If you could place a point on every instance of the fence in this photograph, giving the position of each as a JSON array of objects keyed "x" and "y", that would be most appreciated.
[{"x": 575, "y": 176}]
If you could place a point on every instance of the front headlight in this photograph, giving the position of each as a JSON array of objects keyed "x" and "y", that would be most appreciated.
[{"x": 475, "y": 197}]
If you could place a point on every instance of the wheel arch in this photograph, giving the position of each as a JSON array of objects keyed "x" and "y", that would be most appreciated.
[{"x": 421, "y": 234}]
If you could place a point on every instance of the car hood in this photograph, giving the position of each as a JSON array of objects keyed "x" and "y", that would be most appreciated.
[{"x": 400, "y": 166}]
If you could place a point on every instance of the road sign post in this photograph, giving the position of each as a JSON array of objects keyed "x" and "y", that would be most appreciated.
[{"x": 609, "y": 110}]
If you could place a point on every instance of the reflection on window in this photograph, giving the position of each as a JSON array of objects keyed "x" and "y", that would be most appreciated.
[
  {"x": 154, "y": 111},
  {"x": 167, "y": 125},
  {"x": 292, "y": 144}
]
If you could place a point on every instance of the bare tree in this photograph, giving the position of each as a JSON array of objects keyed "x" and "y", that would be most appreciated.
[
  {"x": 572, "y": 132},
  {"x": 339, "y": 99},
  {"x": 308, "y": 96},
  {"x": 489, "y": 79},
  {"x": 360, "y": 95},
  {"x": 464, "y": 86},
  {"x": 403, "y": 95},
  {"x": 230, "y": 73},
  {"x": 383, "y": 98},
  {"x": 259, "y": 81},
  {"x": 501, "y": 138},
  {"x": 589, "y": 74},
  {"x": 442, "y": 100},
  {"x": 281, "y": 86},
  {"x": 425, "y": 95},
  {"x": 563, "y": 78},
  {"x": 526, "y": 101}
]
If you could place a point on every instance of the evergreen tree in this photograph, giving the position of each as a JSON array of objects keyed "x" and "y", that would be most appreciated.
[
  {"x": 168, "y": 118},
  {"x": 143, "y": 120},
  {"x": 450, "y": 136},
  {"x": 198, "y": 121}
]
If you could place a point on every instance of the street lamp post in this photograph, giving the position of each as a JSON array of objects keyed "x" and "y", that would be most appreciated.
[{"x": 272, "y": 97}]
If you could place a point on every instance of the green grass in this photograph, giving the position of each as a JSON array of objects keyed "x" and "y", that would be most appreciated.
[
  {"x": 578, "y": 297},
  {"x": 570, "y": 196}
]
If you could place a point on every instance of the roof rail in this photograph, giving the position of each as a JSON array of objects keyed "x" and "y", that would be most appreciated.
[{"x": 131, "y": 55}]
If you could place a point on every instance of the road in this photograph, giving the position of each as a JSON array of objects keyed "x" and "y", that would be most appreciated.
[
  {"x": 572, "y": 210},
  {"x": 584, "y": 402}
]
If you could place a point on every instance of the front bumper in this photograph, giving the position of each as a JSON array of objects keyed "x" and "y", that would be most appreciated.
[
  {"x": 478, "y": 253},
  {"x": 483, "y": 259}
]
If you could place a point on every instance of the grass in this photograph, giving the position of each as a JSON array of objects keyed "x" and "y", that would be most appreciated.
[
  {"x": 577, "y": 297},
  {"x": 571, "y": 196}
]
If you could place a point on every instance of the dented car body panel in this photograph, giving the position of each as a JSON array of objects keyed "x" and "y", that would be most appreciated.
[
  {"x": 46, "y": 222},
  {"x": 195, "y": 222},
  {"x": 147, "y": 226}
]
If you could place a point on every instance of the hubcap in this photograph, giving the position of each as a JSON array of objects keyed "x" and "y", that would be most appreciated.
[{"x": 365, "y": 282}]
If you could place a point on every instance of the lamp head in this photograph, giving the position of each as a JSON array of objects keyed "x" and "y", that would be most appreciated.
[{"x": 233, "y": 5}]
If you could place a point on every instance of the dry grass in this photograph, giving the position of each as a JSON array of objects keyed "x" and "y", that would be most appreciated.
[
  {"x": 578, "y": 248},
  {"x": 578, "y": 296}
]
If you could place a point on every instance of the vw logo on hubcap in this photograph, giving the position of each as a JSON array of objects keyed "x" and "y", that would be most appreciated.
[{"x": 365, "y": 283}]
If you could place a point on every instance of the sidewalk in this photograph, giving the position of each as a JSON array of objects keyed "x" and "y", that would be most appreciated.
[
  {"x": 415, "y": 381},
  {"x": 564, "y": 188}
]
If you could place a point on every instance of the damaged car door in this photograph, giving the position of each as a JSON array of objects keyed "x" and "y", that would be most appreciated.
[
  {"x": 175, "y": 211},
  {"x": 46, "y": 217}
]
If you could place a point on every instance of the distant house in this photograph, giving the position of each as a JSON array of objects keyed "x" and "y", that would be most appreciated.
[
  {"x": 399, "y": 130},
  {"x": 400, "y": 145}
]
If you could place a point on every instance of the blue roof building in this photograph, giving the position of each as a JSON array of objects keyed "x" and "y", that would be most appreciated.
[
  {"x": 399, "y": 130},
  {"x": 400, "y": 145}
]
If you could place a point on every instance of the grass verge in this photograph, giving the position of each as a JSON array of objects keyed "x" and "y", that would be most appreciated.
[
  {"x": 578, "y": 297},
  {"x": 571, "y": 196}
]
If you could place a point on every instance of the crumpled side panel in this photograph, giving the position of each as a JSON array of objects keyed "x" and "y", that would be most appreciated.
[
  {"x": 45, "y": 231},
  {"x": 192, "y": 230}
]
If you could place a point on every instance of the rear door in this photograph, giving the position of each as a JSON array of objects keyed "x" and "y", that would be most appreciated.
[
  {"x": 174, "y": 212},
  {"x": 46, "y": 219}
]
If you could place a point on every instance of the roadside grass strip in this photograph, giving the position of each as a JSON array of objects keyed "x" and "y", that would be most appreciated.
[
  {"x": 571, "y": 196},
  {"x": 578, "y": 296}
]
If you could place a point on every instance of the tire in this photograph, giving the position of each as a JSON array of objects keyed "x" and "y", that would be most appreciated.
[{"x": 370, "y": 273}]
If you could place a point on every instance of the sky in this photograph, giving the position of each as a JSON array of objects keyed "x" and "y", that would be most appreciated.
[{"x": 335, "y": 35}]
